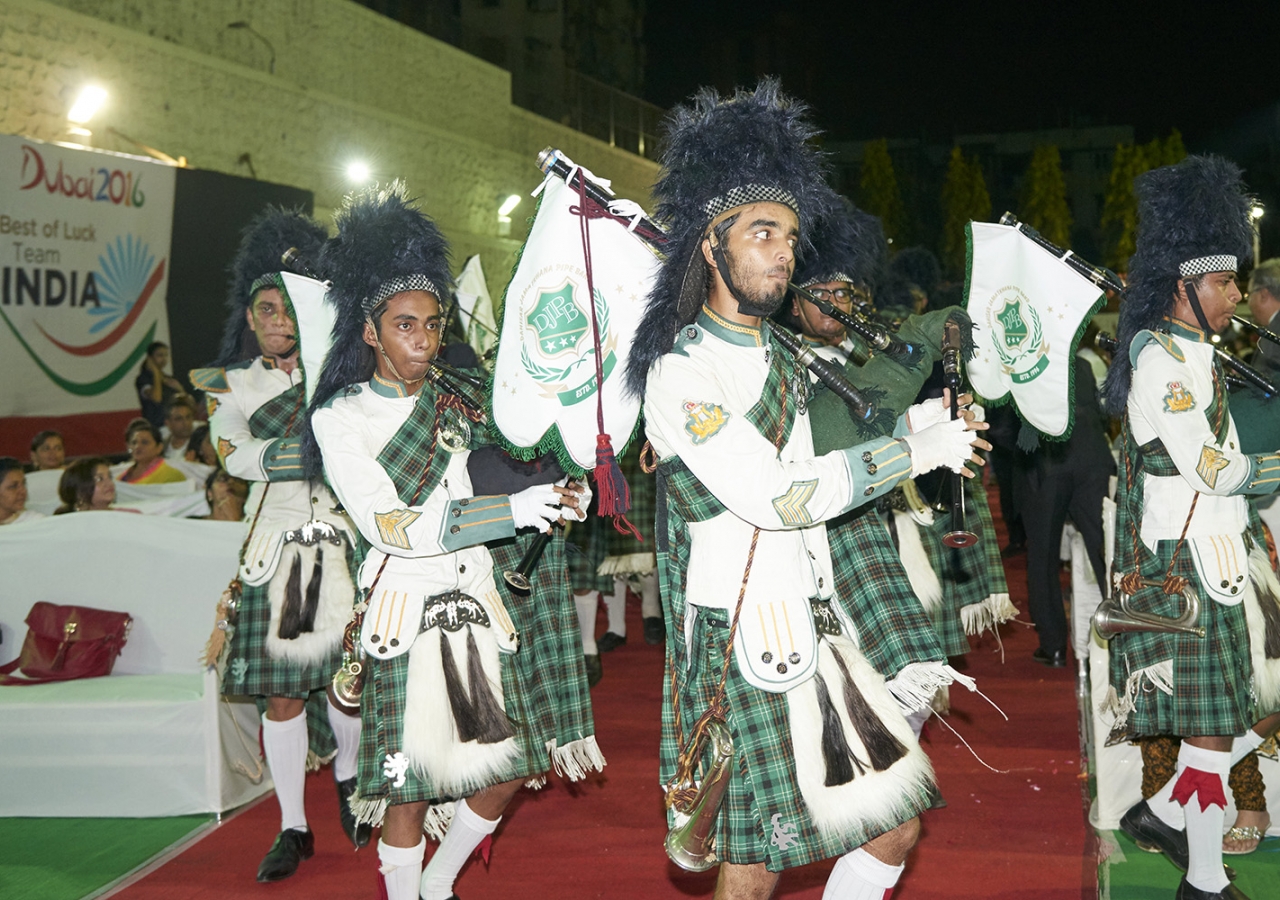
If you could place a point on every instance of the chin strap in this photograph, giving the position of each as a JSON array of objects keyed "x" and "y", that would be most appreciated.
[
  {"x": 390, "y": 365},
  {"x": 1195, "y": 305},
  {"x": 722, "y": 264}
]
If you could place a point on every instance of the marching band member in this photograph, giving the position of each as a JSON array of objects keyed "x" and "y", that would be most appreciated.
[
  {"x": 868, "y": 553},
  {"x": 1183, "y": 519},
  {"x": 823, "y": 763},
  {"x": 468, "y": 693},
  {"x": 297, "y": 589}
]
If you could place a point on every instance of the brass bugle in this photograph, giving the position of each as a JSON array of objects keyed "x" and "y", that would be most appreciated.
[
  {"x": 875, "y": 334},
  {"x": 691, "y": 842},
  {"x": 1114, "y": 616},
  {"x": 828, "y": 373},
  {"x": 959, "y": 536},
  {"x": 348, "y": 681},
  {"x": 1259, "y": 330}
]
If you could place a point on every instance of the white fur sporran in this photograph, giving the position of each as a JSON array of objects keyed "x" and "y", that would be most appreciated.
[{"x": 334, "y": 596}]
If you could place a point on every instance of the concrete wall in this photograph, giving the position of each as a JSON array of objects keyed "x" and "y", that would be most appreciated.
[{"x": 345, "y": 83}]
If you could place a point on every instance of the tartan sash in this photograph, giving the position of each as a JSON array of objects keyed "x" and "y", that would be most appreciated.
[
  {"x": 686, "y": 496},
  {"x": 785, "y": 374},
  {"x": 271, "y": 419},
  {"x": 413, "y": 446}
]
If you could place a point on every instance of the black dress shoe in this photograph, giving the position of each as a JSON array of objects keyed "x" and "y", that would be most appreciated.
[
  {"x": 1149, "y": 831},
  {"x": 1055, "y": 660},
  {"x": 595, "y": 671},
  {"x": 654, "y": 631},
  {"x": 292, "y": 846},
  {"x": 359, "y": 833},
  {"x": 610, "y": 641},
  {"x": 1230, "y": 892}
]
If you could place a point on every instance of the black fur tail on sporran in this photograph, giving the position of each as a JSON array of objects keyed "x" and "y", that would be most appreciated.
[
  {"x": 836, "y": 754},
  {"x": 490, "y": 716},
  {"x": 291, "y": 614},
  {"x": 312, "y": 601},
  {"x": 883, "y": 749}
]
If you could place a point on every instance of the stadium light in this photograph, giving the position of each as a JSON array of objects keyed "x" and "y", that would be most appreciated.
[
  {"x": 87, "y": 104},
  {"x": 508, "y": 206},
  {"x": 358, "y": 172}
]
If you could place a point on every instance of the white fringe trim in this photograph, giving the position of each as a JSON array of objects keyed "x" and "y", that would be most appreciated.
[
  {"x": 575, "y": 759},
  {"x": 439, "y": 818},
  {"x": 369, "y": 810},
  {"x": 628, "y": 564},
  {"x": 976, "y": 618},
  {"x": 916, "y": 685},
  {"x": 1001, "y": 607},
  {"x": 314, "y": 762},
  {"x": 1160, "y": 676},
  {"x": 1266, "y": 672}
]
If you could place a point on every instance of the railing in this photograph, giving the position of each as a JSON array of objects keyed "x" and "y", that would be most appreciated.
[{"x": 624, "y": 121}]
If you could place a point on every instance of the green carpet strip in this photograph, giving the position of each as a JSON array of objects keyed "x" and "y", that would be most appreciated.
[{"x": 69, "y": 859}]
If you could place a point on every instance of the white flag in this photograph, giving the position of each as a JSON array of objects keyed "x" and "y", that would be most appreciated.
[
  {"x": 1029, "y": 309},
  {"x": 475, "y": 307},
  {"x": 544, "y": 380},
  {"x": 314, "y": 315}
]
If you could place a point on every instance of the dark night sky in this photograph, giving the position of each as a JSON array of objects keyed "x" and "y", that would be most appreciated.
[{"x": 913, "y": 69}]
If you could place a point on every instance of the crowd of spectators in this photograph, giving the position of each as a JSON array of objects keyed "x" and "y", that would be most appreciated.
[{"x": 165, "y": 448}]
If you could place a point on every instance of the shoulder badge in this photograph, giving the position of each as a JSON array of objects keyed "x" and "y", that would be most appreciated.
[
  {"x": 212, "y": 381},
  {"x": 703, "y": 420},
  {"x": 1179, "y": 399}
]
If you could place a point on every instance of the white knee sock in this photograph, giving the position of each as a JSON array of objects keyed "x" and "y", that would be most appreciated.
[
  {"x": 650, "y": 607},
  {"x": 1204, "y": 825},
  {"x": 615, "y": 605},
  {"x": 586, "y": 604},
  {"x": 400, "y": 867},
  {"x": 285, "y": 744},
  {"x": 465, "y": 833},
  {"x": 1244, "y": 745},
  {"x": 860, "y": 876},
  {"x": 1166, "y": 809},
  {"x": 917, "y": 719},
  {"x": 346, "y": 730}
]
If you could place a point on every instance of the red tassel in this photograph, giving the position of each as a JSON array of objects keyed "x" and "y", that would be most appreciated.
[
  {"x": 613, "y": 496},
  {"x": 1208, "y": 784},
  {"x": 484, "y": 848}
]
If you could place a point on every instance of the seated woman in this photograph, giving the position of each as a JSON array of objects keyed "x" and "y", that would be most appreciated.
[
  {"x": 146, "y": 447},
  {"x": 226, "y": 496},
  {"x": 13, "y": 493},
  {"x": 86, "y": 485},
  {"x": 47, "y": 451},
  {"x": 200, "y": 448}
]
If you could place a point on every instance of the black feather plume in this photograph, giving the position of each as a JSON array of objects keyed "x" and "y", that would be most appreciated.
[{"x": 262, "y": 243}]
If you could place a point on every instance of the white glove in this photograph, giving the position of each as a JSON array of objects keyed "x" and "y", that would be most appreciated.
[
  {"x": 930, "y": 412},
  {"x": 536, "y": 507},
  {"x": 979, "y": 413},
  {"x": 584, "y": 500},
  {"x": 945, "y": 444}
]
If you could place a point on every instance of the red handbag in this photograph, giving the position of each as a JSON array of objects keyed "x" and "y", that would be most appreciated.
[{"x": 66, "y": 642}]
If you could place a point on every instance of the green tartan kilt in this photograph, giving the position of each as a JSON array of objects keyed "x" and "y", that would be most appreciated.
[
  {"x": 1212, "y": 676},
  {"x": 873, "y": 588},
  {"x": 543, "y": 684},
  {"x": 587, "y": 543},
  {"x": 253, "y": 672},
  {"x": 763, "y": 783},
  {"x": 968, "y": 575}
]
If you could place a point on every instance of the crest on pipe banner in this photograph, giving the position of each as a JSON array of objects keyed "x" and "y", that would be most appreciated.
[
  {"x": 544, "y": 377},
  {"x": 1029, "y": 309}
]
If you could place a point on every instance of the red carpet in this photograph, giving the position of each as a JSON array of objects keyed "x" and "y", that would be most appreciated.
[{"x": 1019, "y": 834}]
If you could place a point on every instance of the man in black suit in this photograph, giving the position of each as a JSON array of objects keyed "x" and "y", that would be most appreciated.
[{"x": 1060, "y": 479}]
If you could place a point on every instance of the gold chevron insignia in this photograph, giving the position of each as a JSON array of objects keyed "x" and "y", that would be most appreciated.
[
  {"x": 791, "y": 505},
  {"x": 1212, "y": 461},
  {"x": 225, "y": 448},
  {"x": 211, "y": 404},
  {"x": 393, "y": 527}
]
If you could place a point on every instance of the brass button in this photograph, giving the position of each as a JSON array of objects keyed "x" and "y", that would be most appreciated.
[
  {"x": 766, "y": 657},
  {"x": 819, "y": 582},
  {"x": 868, "y": 492},
  {"x": 866, "y": 456},
  {"x": 456, "y": 512},
  {"x": 871, "y": 468},
  {"x": 782, "y": 668},
  {"x": 454, "y": 530},
  {"x": 464, "y": 502},
  {"x": 795, "y": 659},
  {"x": 463, "y": 568}
]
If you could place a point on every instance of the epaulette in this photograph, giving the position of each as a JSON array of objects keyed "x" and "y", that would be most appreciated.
[
  {"x": 686, "y": 337},
  {"x": 1142, "y": 338},
  {"x": 211, "y": 381},
  {"x": 350, "y": 390}
]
